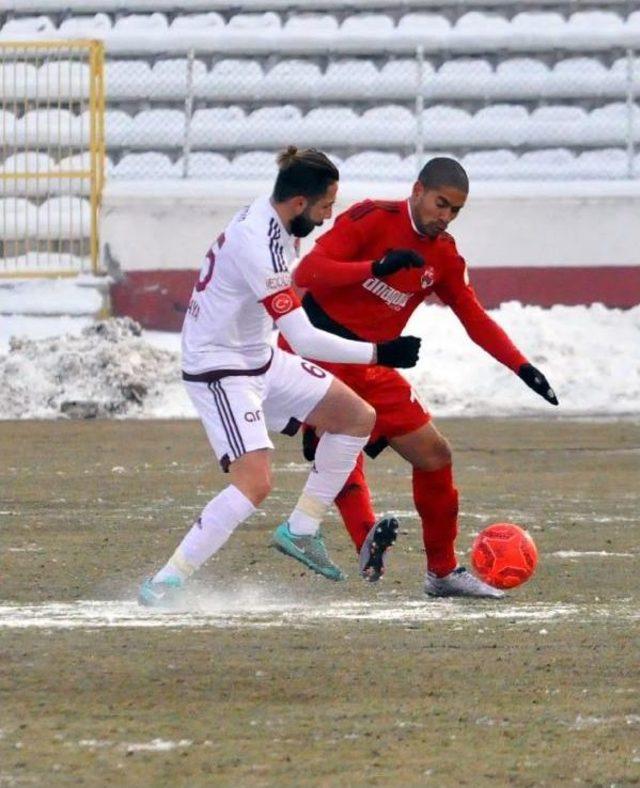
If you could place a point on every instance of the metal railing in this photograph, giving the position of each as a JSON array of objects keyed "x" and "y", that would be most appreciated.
[{"x": 52, "y": 155}]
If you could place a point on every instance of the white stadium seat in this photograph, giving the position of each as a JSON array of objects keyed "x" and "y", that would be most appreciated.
[
  {"x": 347, "y": 79},
  {"x": 188, "y": 23},
  {"x": 118, "y": 125},
  {"x": 18, "y": 80},
  {"x": 138, "y": 166},
  {"x": 256, "y": 165},
  {"x": 30, "y": 25},
  {"x": 425, "y": 29},
  {"x": 520, "y": 78},
  {"x": 369, "y": 27},
  {"x": 387, "y": 126},
  {"x": 148, "y": 24},
  {"x": 610, "y": 124},
  {"x": 496, "y": 164},
  {"x": 268, "y": 23},
  {"x": 268, "y": 126},
  {"x": 207, "y": 165},
  {"x": 78, "y": 26},
  {"x": 169, "y": 78},
  {"x": 557, "y": 163},
  {"x": 556, "y": 125},
  {"x": 476, "y": 31},
  {"x": 361, "y": 166},
  {"x": 127, "y": 79},
  {"x": 498, "y": 124},
  {"x": 295, "y": 79},
  {"x": 607, "y": 163},
  {"x": 398, "y": 79},
  {"x": 578, "y": 76},
  {"x": 230, "y": 80},
  {"x": 531, "y": 30},
  {"x": 18, "y": 218},
  {"x": 330, "y": 126},
  {"x": 40, "y": 127},
  {"x": 157, "y": 128},
  {"x": 462, "y": 78},
  {"x": 220, "y": 127},
  {"x": 63, "y": 80},
  {"x": 445, "y": 125}
]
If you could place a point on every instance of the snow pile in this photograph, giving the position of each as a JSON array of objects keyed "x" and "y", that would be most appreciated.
[
  {"x": 108, "y": 370},
  {"x": 591, "y": 356}
]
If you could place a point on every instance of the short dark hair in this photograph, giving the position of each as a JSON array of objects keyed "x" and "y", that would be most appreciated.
[
  {"x": 303, "y": 173},
  {"x": 443, "y": 171}
]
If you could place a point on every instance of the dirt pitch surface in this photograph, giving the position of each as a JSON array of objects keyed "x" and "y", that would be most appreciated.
[{"x": 277, "y": 677}]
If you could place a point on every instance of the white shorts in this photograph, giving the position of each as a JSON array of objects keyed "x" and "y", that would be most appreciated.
[{"x": 239, "y": 411}]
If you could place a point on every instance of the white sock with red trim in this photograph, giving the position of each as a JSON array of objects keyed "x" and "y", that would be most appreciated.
[
  {"x": 336, "y": 457},
  {"x": 219, "y": 518}
]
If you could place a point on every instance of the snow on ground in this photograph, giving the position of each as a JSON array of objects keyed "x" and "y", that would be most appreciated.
[{"x": 73, "y": 366}]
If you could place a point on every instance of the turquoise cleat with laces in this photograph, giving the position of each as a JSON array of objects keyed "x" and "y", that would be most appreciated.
[{"x": 309, "y": 550}]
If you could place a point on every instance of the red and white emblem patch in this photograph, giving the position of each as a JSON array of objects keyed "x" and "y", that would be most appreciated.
[
  {"x": 428, "y": 278},
  {"x": 282, "y": 303}
]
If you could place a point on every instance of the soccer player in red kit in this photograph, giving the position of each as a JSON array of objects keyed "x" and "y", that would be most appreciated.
[{"x": 363, "y": 280}]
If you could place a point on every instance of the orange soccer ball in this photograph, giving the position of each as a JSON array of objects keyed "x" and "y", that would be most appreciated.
[{"x": 504, "y": 555}]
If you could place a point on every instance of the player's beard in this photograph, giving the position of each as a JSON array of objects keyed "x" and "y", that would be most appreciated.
[{"x": 302, "y": 225}]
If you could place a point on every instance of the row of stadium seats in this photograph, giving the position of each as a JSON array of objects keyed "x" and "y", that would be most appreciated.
[
  {"x": 386, "y": 126},
  {"x": 350, "y": 79},
  {"x": 249, "y": 34},
  {"x": 557, "y": 163},
  {"x": 58, "y": 217},
  {"x": 116, "y": 6}
]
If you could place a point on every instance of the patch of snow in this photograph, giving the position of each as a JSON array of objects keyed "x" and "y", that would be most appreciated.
[{"x": 591, "y": 356}]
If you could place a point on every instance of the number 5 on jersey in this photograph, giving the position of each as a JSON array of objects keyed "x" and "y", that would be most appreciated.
[{"x": 206, "y": 272}]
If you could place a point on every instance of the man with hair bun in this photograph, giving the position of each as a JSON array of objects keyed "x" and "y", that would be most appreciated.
[
  {"x": 363, "y": 280},
  {"x": 242, "y": 387}
]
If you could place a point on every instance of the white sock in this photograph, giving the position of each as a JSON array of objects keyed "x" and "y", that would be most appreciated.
[
  {"x": 219, "y": 518},
  {"x": 336, "y": 457}
]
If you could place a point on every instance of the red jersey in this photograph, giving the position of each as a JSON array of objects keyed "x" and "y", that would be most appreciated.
[{"x": 337, "y": 273}]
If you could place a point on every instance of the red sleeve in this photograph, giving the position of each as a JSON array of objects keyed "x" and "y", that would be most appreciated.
[
  {"x": 456, "y": 292},
  {"x": 339, "y": 257}
]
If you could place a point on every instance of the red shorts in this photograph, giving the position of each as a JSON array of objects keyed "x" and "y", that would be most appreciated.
[{"x": 398, "y": 409}]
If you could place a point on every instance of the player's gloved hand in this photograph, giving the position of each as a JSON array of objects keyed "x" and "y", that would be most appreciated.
[
  {"x": 395, "y": 260},
  {"x": 537, "y": 381},
  {"x": 309, "y": 443},
  {"x": 400, "y": 352}
]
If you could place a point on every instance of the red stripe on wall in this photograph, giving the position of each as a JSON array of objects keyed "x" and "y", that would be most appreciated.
[
  {"x": 614, "y": 286},
  {"x": 158, "y": 299}
]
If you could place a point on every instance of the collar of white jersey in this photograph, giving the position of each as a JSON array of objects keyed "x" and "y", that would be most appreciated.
[{"x": 271, "y": 207}]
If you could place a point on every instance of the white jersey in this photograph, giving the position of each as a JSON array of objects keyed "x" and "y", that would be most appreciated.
[{"x": 226, "y": 326}]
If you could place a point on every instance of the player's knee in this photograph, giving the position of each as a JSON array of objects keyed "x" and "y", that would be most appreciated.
[
  {"x": 363, "y": 421},
  {"x": 441, "y": 454},
  {"x": 261, "y": 488}
]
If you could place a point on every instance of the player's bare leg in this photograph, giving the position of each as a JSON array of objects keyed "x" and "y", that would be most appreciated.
[
  {"x": 344, "y": 421},
  {"x": 436, "y": 500}
]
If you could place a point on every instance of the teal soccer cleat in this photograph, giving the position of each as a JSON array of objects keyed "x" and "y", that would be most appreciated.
[
  {"x": 165, "y": 594},
  {"x": 309, "y": 550}
]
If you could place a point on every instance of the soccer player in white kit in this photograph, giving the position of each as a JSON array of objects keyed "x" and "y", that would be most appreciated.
[{"x": 242, "y": 386}]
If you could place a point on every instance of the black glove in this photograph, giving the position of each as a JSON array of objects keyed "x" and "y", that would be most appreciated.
[
  {"x": 395, "y": 260},
  {"x": 400, "y": 352},
  {"x": 309, "y": 443},
  {"x": 537, "y": 381}
]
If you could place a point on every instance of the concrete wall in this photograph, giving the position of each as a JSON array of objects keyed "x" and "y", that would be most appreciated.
[{"x": 537, "y": 243}]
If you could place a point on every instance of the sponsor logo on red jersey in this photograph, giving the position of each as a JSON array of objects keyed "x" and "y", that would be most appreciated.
[{"x": 395, "y": 299}]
